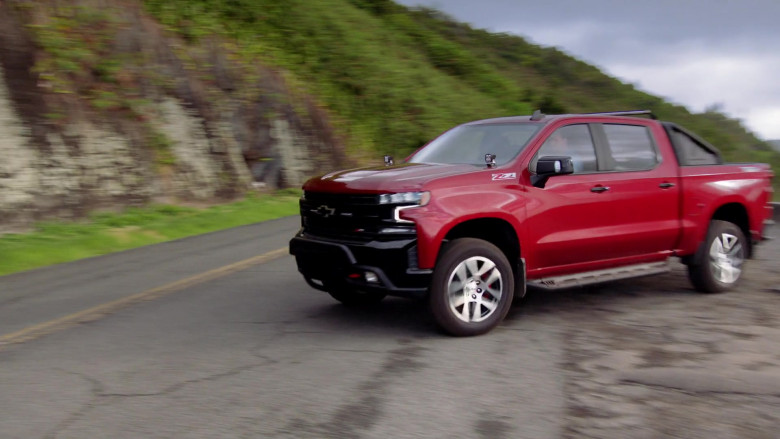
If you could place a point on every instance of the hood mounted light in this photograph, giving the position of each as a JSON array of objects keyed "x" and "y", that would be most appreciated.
[
  {"x": 538, "y": 115},
  {"x": 490, "y": 160}
]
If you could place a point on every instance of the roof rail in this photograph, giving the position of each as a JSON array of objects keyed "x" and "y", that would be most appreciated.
[{"x": 626, "y": 113}]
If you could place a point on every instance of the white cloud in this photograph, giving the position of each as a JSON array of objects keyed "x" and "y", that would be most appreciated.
[
  {"x": 693, "y": 72},
  {"x": 765, "y": 120},
  {"x": 695, "y": 53},
  {"x": 743, "y": 85}
]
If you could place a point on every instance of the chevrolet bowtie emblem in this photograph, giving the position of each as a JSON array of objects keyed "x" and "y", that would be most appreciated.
[{"x": 324, "y": 211}]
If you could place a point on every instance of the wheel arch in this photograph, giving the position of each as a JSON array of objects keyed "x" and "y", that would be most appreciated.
[
  {"x": 496, "y": 231},
  {"x": 737, "y": 214}
]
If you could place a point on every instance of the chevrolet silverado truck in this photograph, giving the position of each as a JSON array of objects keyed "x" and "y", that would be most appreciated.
[{"x": 553, "y": 201}]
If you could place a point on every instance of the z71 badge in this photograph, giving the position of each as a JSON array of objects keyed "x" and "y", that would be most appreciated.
[{"x": 505, "y": 176}]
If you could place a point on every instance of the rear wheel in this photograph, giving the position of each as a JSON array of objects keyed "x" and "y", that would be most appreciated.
[
  {"x": 718, "y": 267},
  {"x": 352, "y": 297},
  {"x": 472, "y": 287}
]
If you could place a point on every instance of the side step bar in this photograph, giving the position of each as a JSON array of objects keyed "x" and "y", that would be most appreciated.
[{"x": 598, "y": 276}]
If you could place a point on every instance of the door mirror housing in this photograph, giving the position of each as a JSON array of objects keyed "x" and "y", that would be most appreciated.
[{"x": 549, "y": 166}]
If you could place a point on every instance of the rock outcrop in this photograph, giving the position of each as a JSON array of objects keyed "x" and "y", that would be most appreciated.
[{"x": 164, "y": 120}]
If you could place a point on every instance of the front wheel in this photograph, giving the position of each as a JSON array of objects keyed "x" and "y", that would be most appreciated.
[
  {"x": 718, "y": 267},
  {"x": 472, "y": 287}
]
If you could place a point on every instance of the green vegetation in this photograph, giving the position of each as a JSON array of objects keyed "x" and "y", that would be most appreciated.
[
  {"x": 390, "y": 82},
  {"x": 162, "y": 147},
  {"x": 103, "y": 233},
  {"x": 390, "y": 77},
  {"x": 78, "y": 55},
  {"x": 395, "y": 77}
]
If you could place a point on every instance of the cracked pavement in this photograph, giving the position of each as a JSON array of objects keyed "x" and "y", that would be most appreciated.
[{"x": 260, "y": 354}]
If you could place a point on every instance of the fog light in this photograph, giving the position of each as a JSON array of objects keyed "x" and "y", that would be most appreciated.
[{"x": 371, "y": 277}]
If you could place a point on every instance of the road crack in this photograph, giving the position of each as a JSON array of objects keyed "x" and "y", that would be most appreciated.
[{"x": 353, "y": 418}]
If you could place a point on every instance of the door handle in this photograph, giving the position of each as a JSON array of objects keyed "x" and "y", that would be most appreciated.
[
  {"x": 666, "y": 185},
  {"x": 599, "y": 188}
]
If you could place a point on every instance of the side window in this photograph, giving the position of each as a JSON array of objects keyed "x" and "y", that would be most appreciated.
[
  {"x": 691, "y": 153},
  {"x": 631, "y": 146},
  {"x": 574, "y": 141}
]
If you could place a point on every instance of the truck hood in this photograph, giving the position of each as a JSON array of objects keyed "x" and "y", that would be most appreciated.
[{"x": 399, "y": 178}]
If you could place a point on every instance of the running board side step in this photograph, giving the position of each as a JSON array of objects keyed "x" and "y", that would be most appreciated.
[{"x": 598, "y": 276}]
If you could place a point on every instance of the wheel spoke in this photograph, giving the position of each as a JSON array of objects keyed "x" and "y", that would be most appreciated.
[
  {"x": 477, "y": 315},
  {"x": 494, "y": 275},
  {"x": 464, "y": 313},
  {"x": 458, "y": 300},
  {"x": 473, "y": 267},
  {"x": 461, "y": 273},
  {"x": 719, "y": 269},
  {"x": 495, "y": 292},
  {"x": 716, "y": 249},
  {"x": 489, "y": 304},
  {"x": 728, "y": 241},
  {"x": 735, "y": 251},
  {"x": 455, "y": 286},
  {"x": 731, "y": 274},
  {"x": 487, "y": 266}
]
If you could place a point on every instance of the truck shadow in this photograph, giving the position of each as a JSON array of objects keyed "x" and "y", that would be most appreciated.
[
  {"x": 604, "y": 296},
  {"x": 396, "y": 315},
  {"x": 412, "y": 318}
]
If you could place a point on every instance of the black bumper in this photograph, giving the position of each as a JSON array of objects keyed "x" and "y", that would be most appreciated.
[{"x": 325, "y": 263}]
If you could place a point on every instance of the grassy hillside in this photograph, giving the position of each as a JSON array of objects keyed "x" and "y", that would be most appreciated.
[
  {"x": 388, "y": 78},
  {"x": 388, "y": 94},
  {"x": 395, "y": 77}
]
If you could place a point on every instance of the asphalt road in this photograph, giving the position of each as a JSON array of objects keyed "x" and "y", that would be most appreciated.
[{"x": 249, "y": 350}]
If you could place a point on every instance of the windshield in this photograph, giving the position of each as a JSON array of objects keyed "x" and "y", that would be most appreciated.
[{"x": 468, "y": 144}]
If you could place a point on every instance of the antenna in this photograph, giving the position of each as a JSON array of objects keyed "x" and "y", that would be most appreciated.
[{"x": 538, "y": 115}]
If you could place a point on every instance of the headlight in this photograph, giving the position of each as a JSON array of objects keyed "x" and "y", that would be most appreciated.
[
  {"x": 405, "y": 200},
  {"x": 418, "y": 198}
]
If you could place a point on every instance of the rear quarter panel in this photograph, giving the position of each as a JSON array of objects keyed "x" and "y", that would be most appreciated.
[{"x": 707, "y": 188}]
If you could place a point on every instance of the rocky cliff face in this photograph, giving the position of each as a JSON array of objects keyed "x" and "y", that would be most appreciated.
[{"x": 139, "y": 116}]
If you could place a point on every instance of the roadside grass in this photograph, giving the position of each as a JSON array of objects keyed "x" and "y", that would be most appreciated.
[{"x": 103, "y": 232}]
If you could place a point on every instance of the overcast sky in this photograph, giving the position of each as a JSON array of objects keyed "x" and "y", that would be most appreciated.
[{"x": 696, "y": 53}]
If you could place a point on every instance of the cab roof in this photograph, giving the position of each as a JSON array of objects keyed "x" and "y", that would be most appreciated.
[{"x": 540, "y": 117}]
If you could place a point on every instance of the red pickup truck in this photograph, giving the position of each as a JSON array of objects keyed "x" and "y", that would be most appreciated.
[{"x": 553, "y": 201}]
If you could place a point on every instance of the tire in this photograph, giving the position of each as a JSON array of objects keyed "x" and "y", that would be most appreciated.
[
  {"x": 717, "y": 267},
  {"x": 353, "y": 298},
  {"x": 472, "y": 287}
]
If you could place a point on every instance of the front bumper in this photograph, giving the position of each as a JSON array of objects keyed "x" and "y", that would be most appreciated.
[{"x": 325, "y": 263}]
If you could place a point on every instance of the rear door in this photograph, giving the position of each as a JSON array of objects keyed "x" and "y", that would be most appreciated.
[{"x": 644, "y": 189}]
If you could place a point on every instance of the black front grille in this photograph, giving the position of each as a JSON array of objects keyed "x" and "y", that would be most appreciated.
[
  {"x": 355, "y": 217},
  {"x": 342, "y": 199}
]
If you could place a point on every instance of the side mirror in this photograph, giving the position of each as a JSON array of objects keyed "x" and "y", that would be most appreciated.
[{"x": 549, "y": 166}]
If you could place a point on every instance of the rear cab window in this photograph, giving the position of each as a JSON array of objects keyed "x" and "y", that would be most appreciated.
[{"x": 692, "y": 153}]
